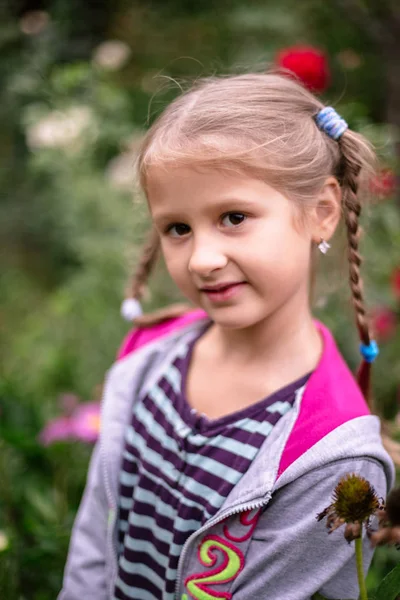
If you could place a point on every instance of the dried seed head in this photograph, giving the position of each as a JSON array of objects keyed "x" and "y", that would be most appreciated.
[
  {"x": 354, "y": 499},
  {"x": 354, "y": 503}
]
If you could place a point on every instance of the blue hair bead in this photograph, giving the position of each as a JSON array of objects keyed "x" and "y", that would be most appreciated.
[
  {"x": 370, "y": 351},
  {"x": 329, "y": 121}
]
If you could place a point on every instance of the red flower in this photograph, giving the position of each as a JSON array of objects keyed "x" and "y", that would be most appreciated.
[
  {"x": 384, "y": 322},
  {"x": 384, "y": 183},
  {"x": 308, "y": 63},
  {"x": 395, "y": 279}
]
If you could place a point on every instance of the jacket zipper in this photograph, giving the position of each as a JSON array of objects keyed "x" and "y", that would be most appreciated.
[
  {"x": 211, "y": 523},
  {"x": 111, "y": 518}
]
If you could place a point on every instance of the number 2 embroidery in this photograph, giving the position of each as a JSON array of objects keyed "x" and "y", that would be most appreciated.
[{"x": 198, "y": 585}]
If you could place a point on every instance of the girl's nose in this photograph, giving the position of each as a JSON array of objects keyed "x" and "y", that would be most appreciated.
[{"x": 206, "y": 258}]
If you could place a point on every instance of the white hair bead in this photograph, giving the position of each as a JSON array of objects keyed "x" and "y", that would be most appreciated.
[{"x": 131, "y": 309}]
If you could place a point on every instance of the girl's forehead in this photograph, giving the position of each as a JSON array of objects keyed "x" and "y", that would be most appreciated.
[
  {"x": 167, "y": 173},
  {"x": 165, "y": 184}
]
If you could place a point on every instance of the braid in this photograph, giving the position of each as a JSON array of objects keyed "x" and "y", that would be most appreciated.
[
  {"x": 352, "y": 211},
  {"x": 350, "y": 172},
  {"x": 146, "y": 263}
]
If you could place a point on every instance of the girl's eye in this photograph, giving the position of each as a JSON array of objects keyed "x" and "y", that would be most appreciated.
[
  {"x": 177, "y": 230},
  {"x": 233, "y": 219}
]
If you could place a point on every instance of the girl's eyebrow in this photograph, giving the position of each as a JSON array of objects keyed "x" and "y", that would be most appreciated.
[{"x": 220, "y": 205}]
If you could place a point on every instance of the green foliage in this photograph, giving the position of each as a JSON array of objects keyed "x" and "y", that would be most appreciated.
[
  {"x": 389, "y": 589},
  {"x": 40, "y": 490}
]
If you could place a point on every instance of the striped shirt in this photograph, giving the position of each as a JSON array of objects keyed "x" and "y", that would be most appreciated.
[{"x": 178, "y": 467}]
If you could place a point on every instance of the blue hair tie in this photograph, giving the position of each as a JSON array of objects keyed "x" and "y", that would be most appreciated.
[
  {"x": 369, "y": 352},
  {"x": 331, "y": 123}
]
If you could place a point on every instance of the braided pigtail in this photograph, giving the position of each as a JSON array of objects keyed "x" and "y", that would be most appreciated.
[
  {"x": 131, "y": 309},
  {"x": 147, "y": 261},
  {"x": 354, "y": 156}
]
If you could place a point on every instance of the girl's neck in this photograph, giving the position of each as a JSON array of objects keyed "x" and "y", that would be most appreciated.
[{"x": 288, "y": 339}]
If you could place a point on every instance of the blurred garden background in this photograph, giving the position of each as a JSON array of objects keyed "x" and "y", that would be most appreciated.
[{"x": 80, "y": 81}]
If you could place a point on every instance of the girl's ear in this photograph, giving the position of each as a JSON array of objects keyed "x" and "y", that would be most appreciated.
[{"x": 327, "y": 210}]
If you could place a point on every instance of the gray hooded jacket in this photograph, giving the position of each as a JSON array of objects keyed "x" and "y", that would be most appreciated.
[{"x": 282, "y": 553}]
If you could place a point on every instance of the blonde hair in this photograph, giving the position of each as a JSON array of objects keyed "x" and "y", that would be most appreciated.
[{"x": 262, "y": 125}]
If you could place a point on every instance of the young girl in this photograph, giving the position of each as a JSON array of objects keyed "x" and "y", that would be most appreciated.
[{"x": 226, "y": 428}]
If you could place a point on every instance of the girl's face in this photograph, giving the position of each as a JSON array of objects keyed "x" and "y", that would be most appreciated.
[{"x": 233, "y": 244}]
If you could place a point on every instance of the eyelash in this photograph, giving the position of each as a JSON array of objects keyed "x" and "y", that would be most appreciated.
[{"x": 229, "y": 214}]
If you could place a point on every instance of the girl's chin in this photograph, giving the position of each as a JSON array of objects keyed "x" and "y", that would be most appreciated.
[{"x": 233, "y": 317}]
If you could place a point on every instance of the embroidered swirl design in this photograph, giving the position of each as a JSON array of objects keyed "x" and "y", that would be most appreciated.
[
  {"x": 247, "y": 521},
  {"x": 233, "y": 562},
  {"x": 198, "y": 585}
]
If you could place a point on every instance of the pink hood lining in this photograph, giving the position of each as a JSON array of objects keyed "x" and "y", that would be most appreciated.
[
  {"x": 331, "y": 397},
  {"x": 140, "y": 336}
]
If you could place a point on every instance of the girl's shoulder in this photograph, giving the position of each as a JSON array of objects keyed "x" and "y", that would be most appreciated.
[{"x": 155, "y": 325}]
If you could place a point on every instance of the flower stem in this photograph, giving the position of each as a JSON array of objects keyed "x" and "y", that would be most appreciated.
[{"x": 360, "y": 569}]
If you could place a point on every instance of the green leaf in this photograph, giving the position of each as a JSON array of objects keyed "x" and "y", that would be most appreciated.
[{"x": 389, "y": 588}]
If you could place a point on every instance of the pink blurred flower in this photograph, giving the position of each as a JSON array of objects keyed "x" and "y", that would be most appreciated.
[
  {"x": 86, "y": 419},
  {"x": 384, "y": 322},
  {"x": 83, "y": 424},
  {"x": 56, "y": 430}
]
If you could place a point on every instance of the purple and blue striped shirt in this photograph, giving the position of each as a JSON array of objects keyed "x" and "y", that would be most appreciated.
[{"x": 178, "y": 468}]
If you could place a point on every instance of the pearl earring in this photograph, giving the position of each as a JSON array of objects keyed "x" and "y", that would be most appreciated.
[{"x": 323, "y": 246}]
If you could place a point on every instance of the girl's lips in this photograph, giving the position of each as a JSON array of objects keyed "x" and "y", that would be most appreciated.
[{"x": 224, "y": 292}]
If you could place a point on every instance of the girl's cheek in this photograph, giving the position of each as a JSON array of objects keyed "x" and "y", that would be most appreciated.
[
  {"x": 174, "y": 262},
  {"x": 179, "y": 273}
]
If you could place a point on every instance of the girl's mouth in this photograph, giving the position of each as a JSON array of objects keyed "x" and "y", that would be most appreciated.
[{"x": 225, "y": 292}]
